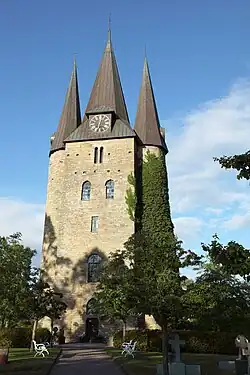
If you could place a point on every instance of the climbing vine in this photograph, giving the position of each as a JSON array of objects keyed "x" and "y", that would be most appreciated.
[
  {"x": 155, "y": 213},
  {"x": 130, "y": 197}
]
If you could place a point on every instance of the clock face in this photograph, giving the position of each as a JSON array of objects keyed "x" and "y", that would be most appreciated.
[{"x": 99, "y": 123}]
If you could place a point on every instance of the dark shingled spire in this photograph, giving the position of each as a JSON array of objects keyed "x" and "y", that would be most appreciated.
[
  {"x": 71, "y": 114},
  {"x": 147, "y": 125},
  {"x": 107, "y": 94}
]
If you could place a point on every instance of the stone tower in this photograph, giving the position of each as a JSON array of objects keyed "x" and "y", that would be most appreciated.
[{"x": 90, "y": 161}]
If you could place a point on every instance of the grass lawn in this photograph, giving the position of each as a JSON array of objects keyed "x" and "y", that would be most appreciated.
[
  {"x": 22, "y": 362},
  {"x": 145, "y": 363}
]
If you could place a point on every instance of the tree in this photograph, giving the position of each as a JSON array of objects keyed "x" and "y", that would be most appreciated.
[
  {"x": 43, "y": 301},
  {"x": 16, "y": 274},
  {"x": 154, "y": 248},
  {"x": 217, "y": 302},
  {"x": 232, "y": 259},
  {"x": 239, "y": 162},
  {"x": 155, "y": 285},
  {"x": 111, "y": 295},
  {"x": 139, "y": 279},
  {"x": 219, "y": 299}
]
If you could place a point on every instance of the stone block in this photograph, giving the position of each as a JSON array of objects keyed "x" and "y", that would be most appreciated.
[
  {"x": 175, "y": 368},
  {"x": 193, "y": 370},
  {"x": 226, "y": 365},
  {"x": 241, "y": 367}
]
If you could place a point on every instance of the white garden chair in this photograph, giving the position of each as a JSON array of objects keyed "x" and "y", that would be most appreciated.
[
  {"x": 125, "y": 344},
  {"x": 40, "y": 349},
  {"x": 129, "y": 349}
]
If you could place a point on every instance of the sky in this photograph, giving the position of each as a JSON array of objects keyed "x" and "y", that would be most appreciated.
[{"x": 199, "y": 58}]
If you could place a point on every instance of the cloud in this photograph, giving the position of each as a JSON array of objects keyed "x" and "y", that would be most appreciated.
[
  {"x": 188, "y": 228},
  {"x": 198, "y": 186},
  {"x": 237, "y": 222},
  {"x": 24, "y": 217}
]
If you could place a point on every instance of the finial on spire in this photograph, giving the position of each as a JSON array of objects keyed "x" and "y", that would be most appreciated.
[
  {"x": 75, "y": 54},
  {"x": 145, "y": 52},
  {"x": 109, "y": 28}
]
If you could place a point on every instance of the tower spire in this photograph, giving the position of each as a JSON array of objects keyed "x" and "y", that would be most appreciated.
[
  {"x": 147, "y": 124},
  {"x": 71, "y": 113},
  {"x": 107, "y": 94},
  {"x": 109, "y": 28}
]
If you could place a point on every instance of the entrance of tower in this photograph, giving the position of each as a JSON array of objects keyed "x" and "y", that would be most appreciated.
[{"x": 92, "y": 328}]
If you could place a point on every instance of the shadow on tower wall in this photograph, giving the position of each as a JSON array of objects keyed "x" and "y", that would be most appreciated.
[{"x": 68, "y": 277}]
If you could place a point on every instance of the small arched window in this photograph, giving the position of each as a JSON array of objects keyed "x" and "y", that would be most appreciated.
[
  {"x": 101, "y": 155},
  {"x": 94, "y": 267},
  {"x": 86, "y": 190},
  {"x": 110, "y": 189},
  {"x": 96, "y": 155},
  {"x": 90, "y": 307}
]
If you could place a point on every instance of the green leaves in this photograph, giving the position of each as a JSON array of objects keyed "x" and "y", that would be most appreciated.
[
  {"x": 112, "y": 296},
  {"x": 233, "y": 258},
  {"x": 239, "y": 162},
  {"x": 23, "y": 295},
  {"x": 131, "y": 197},
  {"x": 15, "y": 278},
  {"x": 44, "y": 301},
  {"x": 218, "y": 299}
]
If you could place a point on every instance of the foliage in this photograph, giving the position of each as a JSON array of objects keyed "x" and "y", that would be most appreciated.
[
  {"x": 144, "y": 277},
  {"x": 15, "y": 277},
  {"x": 216, "y": 302},
  {"x": 110, "y": 299},
  {"x": 20, "y": 336},
  {"x": 42, "y": 335},
  {"x": 154, "y": 200},
  {"x": 44, "y": 301},
  {"x": 232, "y": 258},
  {"x": 5, "y": 340},
  {"x": 130, "y": 197},
  {"x": 239, "y": 162},
  {"x": 195, "y": 341},
  {"x": 219, "y": 299}
]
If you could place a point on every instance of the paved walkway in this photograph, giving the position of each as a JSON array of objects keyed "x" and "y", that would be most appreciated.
[{"x": 85, "y": 361}]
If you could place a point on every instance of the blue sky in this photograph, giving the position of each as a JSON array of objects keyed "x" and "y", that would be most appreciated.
[{"x": 199, "y": 58}]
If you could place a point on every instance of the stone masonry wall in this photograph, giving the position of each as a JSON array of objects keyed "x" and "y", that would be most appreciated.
[{"x": 68, "y": 240}]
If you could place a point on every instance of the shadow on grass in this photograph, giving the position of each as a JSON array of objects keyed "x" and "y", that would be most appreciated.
[
  {"x": 145, "y": 363},
  {"x": 22, "y": 362}
]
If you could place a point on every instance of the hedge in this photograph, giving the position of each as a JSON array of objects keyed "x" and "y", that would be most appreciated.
[
  {"x": 195, "y": 341},
  {"x": 20, "y": 337}
]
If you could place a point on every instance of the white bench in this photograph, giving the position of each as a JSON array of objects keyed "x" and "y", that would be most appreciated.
[
  {"x": 40, "y": 349},
  {"x": 129, "y": 348}
]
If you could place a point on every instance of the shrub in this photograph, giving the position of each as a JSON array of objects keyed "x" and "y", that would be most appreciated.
[
  {"x": 42, "y": 335},
  {"x": 5, "y": 341},
  {"x": 195, "y": 341},
  {"x": 19, "y": 337}
]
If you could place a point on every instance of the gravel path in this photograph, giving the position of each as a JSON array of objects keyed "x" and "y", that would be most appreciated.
[{"x": 85, "y": 361}]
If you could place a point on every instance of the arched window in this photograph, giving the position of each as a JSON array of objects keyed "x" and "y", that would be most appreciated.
[
  {"x": 96, "y": 155},
  {"x": 101, "y": 155},
  {"x": 86, "y": 190},
  {"x": 110, "y": 189},
  {"x": 90, "y": 307},
  {"x": 94, "y": 265}
]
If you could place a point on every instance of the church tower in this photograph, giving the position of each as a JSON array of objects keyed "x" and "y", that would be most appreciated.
[
  {"x": 86, "y": 213},
  {"x": 90, "y": 161}
]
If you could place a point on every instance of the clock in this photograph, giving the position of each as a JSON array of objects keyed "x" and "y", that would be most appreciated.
[{"x": 99, "y": 123}]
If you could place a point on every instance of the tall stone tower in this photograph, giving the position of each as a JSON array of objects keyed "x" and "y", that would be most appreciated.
[{"x": 90, "y": 161}]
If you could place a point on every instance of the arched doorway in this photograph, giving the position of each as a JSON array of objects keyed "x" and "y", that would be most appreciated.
[
  {"x": 92, "y": 322},
  {"x": 92, "y": 328}
]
